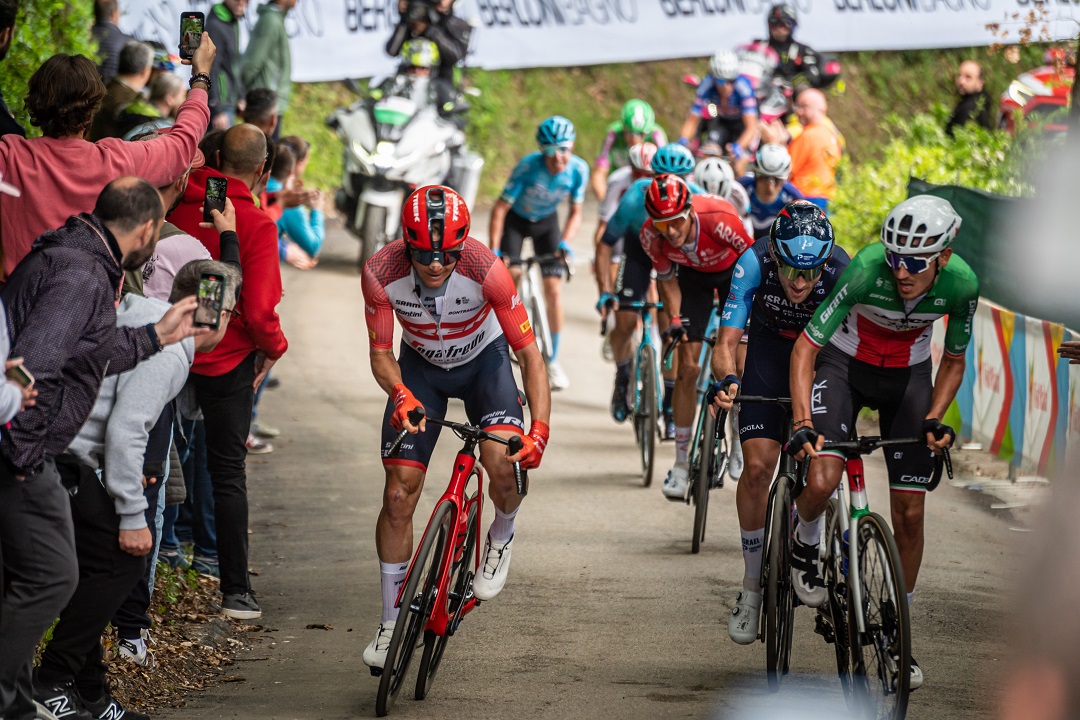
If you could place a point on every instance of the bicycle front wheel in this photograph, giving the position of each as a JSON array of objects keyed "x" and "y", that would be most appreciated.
[
  {"x": 417, "y": 601},
  {"x": 646, "y": 414},
  {"x": 880, "y": 657},
  {"x": 779, "y": 595},
  {"x": 700, "y": 472},
  {"x": 836, "y": 579}
]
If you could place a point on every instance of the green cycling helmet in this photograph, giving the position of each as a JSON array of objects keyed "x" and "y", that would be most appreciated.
[{"x": 637, "y": 116}]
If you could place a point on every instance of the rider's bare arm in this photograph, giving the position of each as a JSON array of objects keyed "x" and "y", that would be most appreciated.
[
  {"x": 385, "y": 368},
  {"x": 534, "y": 378},
  {"x": 949, "y": 376},
  {"x": 602, "y": 268},
  {"x": 750, "y": 121},
  {"x": 670, "y": 295},
  {"x": 495, "y": 227},
  {"x": 801, "y": 381},
  {"x": 573, "y": 221},
  {"x": 379, "y": 317},
  {"x": 724, "y": 362},
  {"x": 690, "y": 127},
  {"x": 599, "y": 182}
]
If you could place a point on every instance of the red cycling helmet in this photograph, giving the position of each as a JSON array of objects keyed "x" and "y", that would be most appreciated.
[
  {"x": 667, "y": 197},
  {"x": 434, "y": 217}
]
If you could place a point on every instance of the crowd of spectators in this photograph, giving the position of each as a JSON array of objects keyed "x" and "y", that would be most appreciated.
[{"x": 128, "y": 424}]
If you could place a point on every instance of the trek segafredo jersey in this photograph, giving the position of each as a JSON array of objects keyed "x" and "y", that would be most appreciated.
[{"x": 865, "y": 318}]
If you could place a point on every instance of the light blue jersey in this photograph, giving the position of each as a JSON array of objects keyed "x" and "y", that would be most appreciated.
[
  {"x": 630, "y": 215},
  {"x": 534, "y": 193}
]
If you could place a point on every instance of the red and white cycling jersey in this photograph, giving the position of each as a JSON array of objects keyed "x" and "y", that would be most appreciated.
[
  {"x": 480, "y": 306},
  {"x": 717, "y": 240}
]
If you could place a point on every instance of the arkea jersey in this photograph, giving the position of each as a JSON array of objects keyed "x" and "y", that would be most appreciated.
[
  {"x": 717, "y": 238},
  {"x": 630, "y": 215},
  {"x": 534, "y": 193},
  {"x": 480, "y": 306},
  {"x": 865, "y": 317},
  {"x": 762, "y": 214},
  {"x": 615, "y": 153},
  {"x": 757, "y": 295},
  {"x": 741, "y": 101}
]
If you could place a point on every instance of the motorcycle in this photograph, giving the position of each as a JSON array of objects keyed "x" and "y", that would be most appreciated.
[{"x": 396, "y": 140}]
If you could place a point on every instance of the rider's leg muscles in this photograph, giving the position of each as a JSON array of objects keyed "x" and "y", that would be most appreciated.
[
  {"x": 821, "y": 483},
  {"x": 751, "y": 498},
  {"x": 685, "y": 397},
  {"x": 907, "y": 522},
  {"x": 501, "y": 487},
  {"x": 394, "y": 531}
]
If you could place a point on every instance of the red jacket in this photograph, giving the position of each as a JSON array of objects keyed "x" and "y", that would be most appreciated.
[{"x": 258, "y": 326}]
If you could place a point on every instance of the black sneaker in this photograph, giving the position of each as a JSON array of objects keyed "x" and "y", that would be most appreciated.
[
  {"x": 806, "y": 574},
  {"x": 619, "y": 409},
  {"x": 60, "y": 702},
  {"x": 241, "y": 606},
  {"x": 108, "y": 708}
]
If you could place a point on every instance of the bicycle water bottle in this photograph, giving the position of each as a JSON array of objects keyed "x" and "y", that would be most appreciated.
[{"x": 844, "y": 550}]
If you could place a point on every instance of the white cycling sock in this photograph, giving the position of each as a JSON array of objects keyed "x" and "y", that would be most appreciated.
[
  {"x": 910, "y": 598},
  {"x": 752, "y": 543},
  {"x": 392, "y": 575},
  {"x": 502, "y": 527},
  {"x": 809, "y": 531},
  {"x": 682, "y": 445}
]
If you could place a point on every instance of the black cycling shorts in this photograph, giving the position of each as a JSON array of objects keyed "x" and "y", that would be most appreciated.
[
  {"x": 545, "y": 233},
  {"x": 635, "y": 271},
  {"x": 485, "y": 384},
  {"x": 765, "y": 373},
  {"x": 697, "y": 298},
  {"x": 902, "y": 396}
]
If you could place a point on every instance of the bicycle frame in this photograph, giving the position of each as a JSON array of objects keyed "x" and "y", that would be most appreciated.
[
  {"x": 531, "y": 290},
  {"x": 646, "y": 339}
]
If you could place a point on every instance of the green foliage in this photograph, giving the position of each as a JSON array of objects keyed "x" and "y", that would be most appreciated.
[
  {"x": 918, "y": 147},
  {"x": 311, "y": 103},
  {"x": 43, "y": 29},
  {"x": 171, "y": 584}
]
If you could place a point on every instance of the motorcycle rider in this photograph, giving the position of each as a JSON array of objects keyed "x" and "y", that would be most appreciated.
[
  {"x": 637, "y": 124},
  {"x": 725, "y": 111},
  {"x": 434, "y": 20},
  {"x": 800, "y": 65}
]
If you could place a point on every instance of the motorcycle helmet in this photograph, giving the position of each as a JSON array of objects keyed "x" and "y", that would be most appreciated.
[
  {"x": 637, "y": 116},
  {"x": 419, "y": 53},
  {"x": 801, "y": 236},
  {"x": 724, "y": 65},
  {"x": 919, "y": 225},
  {"x": 772, "y": 161},
  {"x": 715, "y": 175},
  {"x": 667, "y": 197},
  {"x": 641, "y": 156},
  {"x": 785, "y": 14},
  {"x": 434, "y": 218},
  {"x": 673, "y": 158},
  {"x": 556, "y": 130}
]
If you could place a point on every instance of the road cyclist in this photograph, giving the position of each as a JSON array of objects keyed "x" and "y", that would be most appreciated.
[
  {"x": 768, "y": 187},
  {"x": 528, "y": 208},
  {"x": 716, "y": 176},
  {"x": 724, "y": 117},
  {"x": 636, "y": 124},
  {"x": 460, "y": 319},
  {"x": 868, "y": 345}
]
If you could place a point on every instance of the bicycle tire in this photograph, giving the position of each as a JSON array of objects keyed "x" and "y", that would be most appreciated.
[
  {"x": 881, "y": 660},
  {"x": 700, "y": 473},
  {"x": 779, "y": 600},
  {"x": 537, "y": 309},
  {"x": 647, "y": 418},
  {"x": 412, "y": 618},
  {"x": 836, "y": 584},
  {"x": 459, "y": 583}
]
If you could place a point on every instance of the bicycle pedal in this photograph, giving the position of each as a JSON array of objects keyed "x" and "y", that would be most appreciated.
[
  {"x": 375, "y": 671},
  {"x": 824, "y": 629}
]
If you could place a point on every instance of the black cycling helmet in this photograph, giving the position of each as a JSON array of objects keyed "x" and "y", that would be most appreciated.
[
  {"x": 783, "y": 13},
  {"x": 802, "y": 236}
]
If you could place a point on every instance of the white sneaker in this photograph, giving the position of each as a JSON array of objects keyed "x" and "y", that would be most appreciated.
[
  {"x": 743, "y": 624},
  {"x": 136, "y": 651},
  {"x": 375, "y": 652},
  {"x": 916, "y": 680},
  {"x": 556, "y": 377},
  {"x": 496, "y": 567},
  {"x": 806, "y": 574},
  {"x": 676, "y": 482}
]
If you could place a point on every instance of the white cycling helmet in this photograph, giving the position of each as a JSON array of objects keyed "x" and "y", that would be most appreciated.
[
  {"x": 715, "y": 175},
  {"x": 919, "y": 225},
  {"x": 724, "y": 65},
  {"x": 641, "y": 156},
  {"x": 772, "y": 161}
]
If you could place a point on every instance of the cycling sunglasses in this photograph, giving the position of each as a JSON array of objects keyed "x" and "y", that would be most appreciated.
[
  {"x": 912, "y": 263},
  {"x": 663, "y": 225},
  {"x": 793, "y": 273},
  {"x": 443, "y": 257},
  {"x": 553, "y": 150}
]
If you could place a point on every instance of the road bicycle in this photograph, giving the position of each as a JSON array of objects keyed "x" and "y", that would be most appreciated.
[
  {"x": 647, "y": 387},
  {"x": 866, "y": 616},
  {"x": 437, "y": 592},
  {"x": 531, "y": 292}
]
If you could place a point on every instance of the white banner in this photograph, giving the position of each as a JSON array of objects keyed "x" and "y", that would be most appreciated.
[{"x": 334, "y": 39}]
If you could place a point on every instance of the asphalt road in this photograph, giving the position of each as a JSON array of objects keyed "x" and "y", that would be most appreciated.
[{"x": 606, "y": 613}]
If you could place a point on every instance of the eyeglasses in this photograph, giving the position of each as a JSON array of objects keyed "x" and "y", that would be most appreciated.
[
  {"x": 553, "y": 150},
  {"x": 914, "y": 264},
  {"x": 663, "y": 225},
  {"x": 773, "y": 180},
  {"x": 794, "y": 273},
  {"x": 443, "y": 257}
]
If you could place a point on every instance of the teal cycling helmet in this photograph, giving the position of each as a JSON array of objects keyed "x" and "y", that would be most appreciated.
[
  {"x": 674, "y": 159},
  {"x": 637, "y": 116},
  {"x": 801, "y": 236},
  {"x": 556, "y": 130}
]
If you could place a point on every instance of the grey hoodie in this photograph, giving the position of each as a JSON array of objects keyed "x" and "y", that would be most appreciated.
[{"x": 127, "y": 407}]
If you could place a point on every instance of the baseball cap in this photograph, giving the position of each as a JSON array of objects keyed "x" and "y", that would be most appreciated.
[{"x": 8, "y": 189}]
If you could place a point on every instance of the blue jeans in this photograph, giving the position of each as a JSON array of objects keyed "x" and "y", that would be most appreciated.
[{"x": 194, "y": 519}]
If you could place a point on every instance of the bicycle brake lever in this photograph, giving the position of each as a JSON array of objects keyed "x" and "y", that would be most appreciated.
[
  {"x": 415, "y": 416},
  {"x": 521, "y": 477},
  {"x": 948, "y": 461}
]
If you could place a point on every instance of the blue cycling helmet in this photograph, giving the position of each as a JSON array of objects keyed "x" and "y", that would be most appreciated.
[
  {"x": 673, "y": 158},
  {"x": 801, "y": 236},
  {"x": 556, "y": 130}
]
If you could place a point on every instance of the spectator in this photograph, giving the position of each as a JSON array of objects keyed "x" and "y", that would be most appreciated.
[
  {"x": 62, "y": 317},
  {"x": 268, "y": 60},
  {"x": 261, "y": 110},
  {"x": 132, "y": 75},
  {"x": 974, "y": 103},
  {"x": 225, "y": 380},
  {"x": 61, "y": 173},
  {"x": 110, "y": 38},
  {"x": 305, "y": 224},
  {"x": 167, "y": 94},
  {"x": 227, "y": 91},
  {"x": 9, "y": 9},
  {"x": 816, "y": 152}
]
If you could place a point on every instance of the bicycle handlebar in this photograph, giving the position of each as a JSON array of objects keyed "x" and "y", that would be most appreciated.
[
  {"x": 782, "y": 401},
  {"x": 550, "y": 257},
  {"x": 864, "y": 445}
]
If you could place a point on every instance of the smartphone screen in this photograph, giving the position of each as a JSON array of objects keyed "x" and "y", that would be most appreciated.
[
  {"x": 216, "y": 189},
  {"x": 191, "y": 30},
  {"x": 210, "y": 296},
  {"x": 20, "y": 375}
]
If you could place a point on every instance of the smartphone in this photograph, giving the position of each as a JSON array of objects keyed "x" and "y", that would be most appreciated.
[
  {"x": 20, "y": 375},
  {"x": 191, "y": 30},
  {"x": 216, "y": 190},
  {"x": 210, "y": 296}
]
